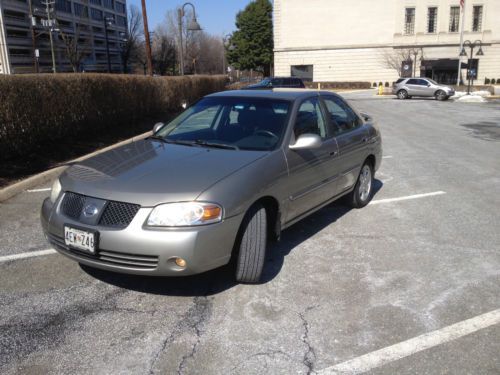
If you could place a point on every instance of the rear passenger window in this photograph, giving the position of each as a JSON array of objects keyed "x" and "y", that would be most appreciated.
[
  {"x": 412, "y": 82},
  {"x": 342, "y": 116},
  {"x": 310, "y": 119}
]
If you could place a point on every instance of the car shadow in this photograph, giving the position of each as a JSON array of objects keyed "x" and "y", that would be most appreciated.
[{"x": 221, "y": 279}]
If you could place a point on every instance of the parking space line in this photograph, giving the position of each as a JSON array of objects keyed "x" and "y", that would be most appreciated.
[
  {"x": 408, "y": 197},
  {"x": 417, "y": 344},
  {"x": 30, "y": 254},
  {"x": 37, "y": 190}
]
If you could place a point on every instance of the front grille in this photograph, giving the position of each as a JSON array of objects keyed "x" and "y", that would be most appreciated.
[
  {"x": 118, "y": 214},
  {"x": 113, "y": 258},
  {"x": 72, "y": 205},
  {"x": 115, "y": 214}
]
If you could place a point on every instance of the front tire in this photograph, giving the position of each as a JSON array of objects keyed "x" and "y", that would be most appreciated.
[
  {"x": 441, "y": 95},
  {"x": 252, "y": 246},
  {"x": 363, "y": 190},
  {"x": 402, "y": 94}
]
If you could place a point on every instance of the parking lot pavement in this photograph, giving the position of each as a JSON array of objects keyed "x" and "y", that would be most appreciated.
[{"x": 343, "y": 287}]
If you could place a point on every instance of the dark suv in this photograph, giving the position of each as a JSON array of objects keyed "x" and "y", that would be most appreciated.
[{"x": 274, "y": 82}]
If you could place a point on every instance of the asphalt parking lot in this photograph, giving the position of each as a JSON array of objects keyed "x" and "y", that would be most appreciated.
[{"x": 409, "y": 284}]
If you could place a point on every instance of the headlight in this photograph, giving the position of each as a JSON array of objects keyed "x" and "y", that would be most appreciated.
[
  {"x": 56, "y": 189},
  {"x": 185, "y": 214}
]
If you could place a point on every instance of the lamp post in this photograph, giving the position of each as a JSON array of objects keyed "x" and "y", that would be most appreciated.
[
  {"x": 470, "y": 75},
  {"x": 108, "y": 21},
  {"x": 225, "y": 39},
  {"x": 192, "y": 26}
]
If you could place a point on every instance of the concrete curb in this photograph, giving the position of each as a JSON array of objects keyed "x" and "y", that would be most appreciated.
[{"x": 47, "y": 176}]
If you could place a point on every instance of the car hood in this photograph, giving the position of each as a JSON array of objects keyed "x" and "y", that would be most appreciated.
[{"x": 149, "y": 172}]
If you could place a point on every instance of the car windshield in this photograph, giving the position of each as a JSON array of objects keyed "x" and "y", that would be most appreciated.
[{"x": 233, "y": 123}]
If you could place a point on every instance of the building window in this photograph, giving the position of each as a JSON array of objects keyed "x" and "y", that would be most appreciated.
[
  {"x": 432, "y": 19},
  {"x": 120, "y": 7},
  {"x": 305, "y": 72},
  {"x": 477, "y": 18},
  {"x": 454, "y": 19},
  {"x": 96, "y": 2},
  {"x": 110, "y": 4},
  {"x": 96, "y": 14},
  {"x": 81, "y": 10},
  {"x": 121, "y": 21},
  {"x": 409, "y": 20},
  {"x": 63, "y": 6}
]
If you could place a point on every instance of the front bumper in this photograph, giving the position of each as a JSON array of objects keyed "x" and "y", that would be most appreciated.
[{"x": 143, "y": 251}]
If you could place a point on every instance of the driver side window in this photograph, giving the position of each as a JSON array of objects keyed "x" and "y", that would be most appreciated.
[{"x": 310, "y": 119}]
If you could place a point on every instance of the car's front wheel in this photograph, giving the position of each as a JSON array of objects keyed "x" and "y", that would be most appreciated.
[
  {"x": 252, "y": 245},
  {"x": 402, "y": 94},
  {"x": 441, "y": 95},
  {"x": 363, "y": 190}
]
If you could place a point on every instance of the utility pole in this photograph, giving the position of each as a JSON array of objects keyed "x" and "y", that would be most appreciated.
[
  {"x": 33, "y": 36},
  {"x": 146, "y": 36},
  {"x": 50, "y": 24}
]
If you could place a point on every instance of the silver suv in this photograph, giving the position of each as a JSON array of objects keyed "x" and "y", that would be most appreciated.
[{"x": 405, "y": 88}]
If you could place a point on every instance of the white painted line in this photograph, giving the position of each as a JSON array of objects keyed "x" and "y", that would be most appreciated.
[
  {"x": 31, "y": 254},
  {"x": 387, "y": 157},
  {"x": 37, "y": 190},
  {"x": 408, "y": 197},
  {"x": 409, "y": 347}
]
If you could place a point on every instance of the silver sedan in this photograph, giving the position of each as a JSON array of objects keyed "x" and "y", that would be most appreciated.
[{"x": 217, "y": 183}]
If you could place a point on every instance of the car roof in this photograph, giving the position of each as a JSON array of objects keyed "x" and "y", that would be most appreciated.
[{"x": 277, "y": 93}]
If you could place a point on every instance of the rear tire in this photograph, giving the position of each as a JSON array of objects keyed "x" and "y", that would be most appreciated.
[
  {"x": 402, "y": 94},
  {"x": 441, "y": 95},
  {"x": 252, "y": 246},
  {"x": 363, "y": 190}
]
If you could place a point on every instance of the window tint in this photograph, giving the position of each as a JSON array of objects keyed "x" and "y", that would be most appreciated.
[
  {"x": 310, "y": 119},
  {"x": 412, "y": 82},
  {"x": 341, "y": 115},
  {"x": 422, "y": 82},
  {"x": 400, "y": 80}
]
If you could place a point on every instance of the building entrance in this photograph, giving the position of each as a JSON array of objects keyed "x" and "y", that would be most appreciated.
[{"x": 440, "y": 70}]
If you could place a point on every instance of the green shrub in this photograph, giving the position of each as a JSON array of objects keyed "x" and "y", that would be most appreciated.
[
  {"x": 381, "y": 83},
  {"x": 374, "y": 84},
  {"x": 387, "y": 84},
  {"x": 40, "y": 109},
  {"x": 493, "y": 81},
  {"x": 487, "y": 81}
]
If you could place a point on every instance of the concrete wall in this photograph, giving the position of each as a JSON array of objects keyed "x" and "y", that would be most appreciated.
[{"x": 346, "y": 40}]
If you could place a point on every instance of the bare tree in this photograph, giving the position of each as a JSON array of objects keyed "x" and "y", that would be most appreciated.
[
  {"x": 164, "y": 52},
  {"x": 394, "y": 59},
  {"x": 133, "y": 41}
]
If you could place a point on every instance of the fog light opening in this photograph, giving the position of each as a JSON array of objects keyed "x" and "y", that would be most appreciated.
[{"x": 180, "y": 262}]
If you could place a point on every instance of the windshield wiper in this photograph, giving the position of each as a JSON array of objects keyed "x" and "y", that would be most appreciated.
[
  {"x": 179, "y": 142},
  {"x": 215, "y": 145},
  {"x": 157, "y": 138}
]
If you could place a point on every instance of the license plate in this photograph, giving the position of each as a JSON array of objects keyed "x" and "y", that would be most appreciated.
[{"x": 80, "y": 239}]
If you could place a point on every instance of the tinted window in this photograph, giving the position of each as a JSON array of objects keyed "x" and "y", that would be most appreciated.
[
  {"x": 422, "y": 82},
  {"x": 342, "y": 116},
  {"x": 248, "y": 123},
  {"x": 310, "y": 119},
  {"x": 400, "y": 80},
  {"x": 412, "y": 82}
]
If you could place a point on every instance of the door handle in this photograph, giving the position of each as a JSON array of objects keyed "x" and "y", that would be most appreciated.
[
  {"x": 365, "y": 140},
  {"x": 333, "y": 153}
]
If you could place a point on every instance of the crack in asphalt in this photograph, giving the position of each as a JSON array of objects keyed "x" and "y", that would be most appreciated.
[
  {"x": 309, "y": 357},
  {"x": 270, "y": 354},
  {"x": 194, "y": 319}
]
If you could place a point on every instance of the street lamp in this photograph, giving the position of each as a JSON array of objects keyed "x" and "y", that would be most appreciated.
[
  {"x": 470, "y": 73},
  {"x": 108, "y": 21},
  {"x": 192, "y": 26},
  {"x": 225, "y": 39}
]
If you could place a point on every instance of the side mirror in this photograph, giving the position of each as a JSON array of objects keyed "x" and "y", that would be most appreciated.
[
  {"x": 307, "y": 141},
  {"x": 158, "y": 126},
  {"x": 366, "y": 116}
]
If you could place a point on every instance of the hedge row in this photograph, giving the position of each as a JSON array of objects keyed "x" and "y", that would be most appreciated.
[{"x": 41, "y": 109}]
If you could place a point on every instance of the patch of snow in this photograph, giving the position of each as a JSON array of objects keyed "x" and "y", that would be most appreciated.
[{"x": 471, "y": 99}]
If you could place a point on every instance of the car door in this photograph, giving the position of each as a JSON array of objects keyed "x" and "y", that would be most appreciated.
[
  {"x": 351, "y": 137},
  {"x": 414, "y": 89},
  {"x": 311, "y": 179},
  {"x": 426, "y": 88}
]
